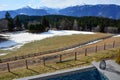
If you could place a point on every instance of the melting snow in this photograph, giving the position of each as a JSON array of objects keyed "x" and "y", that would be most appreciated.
[
  {"x": 16, "y": 40},
  {"x": 117, "y": 36},
  {"x": 3, "y": 54}
]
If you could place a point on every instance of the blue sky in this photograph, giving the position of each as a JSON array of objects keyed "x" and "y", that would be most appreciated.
[{"x": 15, "y": 4}]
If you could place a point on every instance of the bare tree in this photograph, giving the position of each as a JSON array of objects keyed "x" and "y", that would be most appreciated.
[{"x": 75, "y": 25}]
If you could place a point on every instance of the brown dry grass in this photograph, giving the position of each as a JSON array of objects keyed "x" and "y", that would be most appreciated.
[{"x": 52, "y": 43}]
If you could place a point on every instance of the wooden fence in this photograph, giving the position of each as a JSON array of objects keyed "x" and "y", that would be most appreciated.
[{"x": 55, "y": 58}]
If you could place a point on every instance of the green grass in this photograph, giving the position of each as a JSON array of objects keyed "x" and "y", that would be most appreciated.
[
  {"x": 52, "y": 43},
  {"x": 39, "y": 69}
]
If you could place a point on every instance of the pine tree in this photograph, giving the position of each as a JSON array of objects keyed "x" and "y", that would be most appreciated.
[
  {"x": 45, "y": 23},
  {"x": 10, "y": 21},
  {"x": 18, "y": 23},
  {"x": 7, "y": 15}
]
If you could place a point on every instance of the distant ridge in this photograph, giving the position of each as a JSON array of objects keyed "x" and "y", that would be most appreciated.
[{"x": 104, "y": 10}]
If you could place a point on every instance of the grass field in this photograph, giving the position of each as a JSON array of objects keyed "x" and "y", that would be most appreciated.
[
  {"x": 39, "y": 69},
  {"x": 51, "y": 44},
  {"x": 106, "y": 41}
]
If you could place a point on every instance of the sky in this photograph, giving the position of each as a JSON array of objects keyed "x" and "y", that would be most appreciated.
[{"x": 15, "y": 4}]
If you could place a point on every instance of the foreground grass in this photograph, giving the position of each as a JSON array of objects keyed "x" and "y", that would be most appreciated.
[
  {"x": 52, "y": 43},
  {"x": 51, "y": 67}
]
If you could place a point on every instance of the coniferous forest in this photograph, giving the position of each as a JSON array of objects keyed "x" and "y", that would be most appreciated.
[
  {"x": 87, "y": 23},
  {"x": 60, "y": 22}
]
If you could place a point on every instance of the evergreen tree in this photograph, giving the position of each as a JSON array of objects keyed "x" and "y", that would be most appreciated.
[
  {"x": 45, "y": 23},
  {"x": 10, "y": 21},
  {"x": 7, "y": 15},
  {"x": 36, "y": 28},
  {"x": 18, "y": 23}
]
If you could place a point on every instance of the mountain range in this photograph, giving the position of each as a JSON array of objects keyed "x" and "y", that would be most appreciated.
[{"x": 109, "y": 11}]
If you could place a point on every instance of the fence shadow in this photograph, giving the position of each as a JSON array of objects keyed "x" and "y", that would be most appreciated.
[
  {"x": 82, "y": 63},
  {"x": 32, "y": 70},
  {"x": 14, "y": 73},
  {"x": 112, "y": 69},
  {"x": 65, "y": 61},
  {"x": 70, "y": 65},
  {"x": 49, "y": 66}
]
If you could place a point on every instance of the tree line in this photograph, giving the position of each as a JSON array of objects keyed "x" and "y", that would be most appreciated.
[
  {"x": 60, "y": 22},
  {"x": 13, "y": 24}
]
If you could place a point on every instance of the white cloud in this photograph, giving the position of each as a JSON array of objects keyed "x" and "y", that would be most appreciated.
[
  {"x": 66, "y": 3},
  {"x": 30, "y": 3},
  {"x": 15, "y": 4},
  {"x": 3, "y": 6},
  {"x": 57, "y": 3}
]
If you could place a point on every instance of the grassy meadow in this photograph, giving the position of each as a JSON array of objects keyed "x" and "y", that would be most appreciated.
[{"x": 51, "y": 44}]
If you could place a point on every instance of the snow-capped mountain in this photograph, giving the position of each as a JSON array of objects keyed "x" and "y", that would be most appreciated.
[
  {"x": 51, "y": 10},
  {"x": 30, "y": 11},
  {"x": 26, "y": 11},
  {"x": 110, "y": 11}
]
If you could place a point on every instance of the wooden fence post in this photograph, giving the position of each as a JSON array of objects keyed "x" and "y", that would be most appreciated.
[
  {"x": 0, "y": 61},
  {"x": 44, "y": 63},
  {"x": 104, "y": 46},
  {"x": 26, "y": 63},
  {"x": 75, "y": 56},
  {"x": 15, "y": 57},
  {"x": 86, "y": 52},
  {"x": 96, "y": 48},
  {"x": 113, "y": 44},
  {"x": 8, "y": 66},
  {"x": 60, "y": 58}
]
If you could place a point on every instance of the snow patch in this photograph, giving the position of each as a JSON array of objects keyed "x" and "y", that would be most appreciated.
[
  {"x": 18, "y": 39},
  {"x": 117, "y": 36},
  {"x": 3, "y": 54},
  {"x": 94, "y": 42}
]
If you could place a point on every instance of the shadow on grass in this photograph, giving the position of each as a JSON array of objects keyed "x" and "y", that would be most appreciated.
[
  {"x": 51, "y": 67},
  {"x": 14, "y": 73},
  {"x": 32, "y": 70},
  {"x": 65, "y": 60},
  {"x": 69, "y": 65}
]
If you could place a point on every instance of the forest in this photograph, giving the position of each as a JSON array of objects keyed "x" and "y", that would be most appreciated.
[
  {"x": 61, "y": 22},
  {"x": 69, "y": 23}
]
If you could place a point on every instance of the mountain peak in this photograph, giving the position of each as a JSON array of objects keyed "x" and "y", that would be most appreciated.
[{"x": 26, "y": 7}]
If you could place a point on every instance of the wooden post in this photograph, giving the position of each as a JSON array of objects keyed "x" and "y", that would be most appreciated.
[
  {"x": 60, "y": 58},
  {"x": 26, "y": 63},
  {"x": 75, "y": 56},
  {"x": 96, "y": 48},
  {"x": 104, "y": 46},
  {"x": 113, "y": 44},
  {"x": 0, "y": 61},
  {"x": 8, "y": 66},
  {"x": 15, "y": 57},
  {"x": 86, "y": 52},
  {"x": 44, "y": 61}
]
